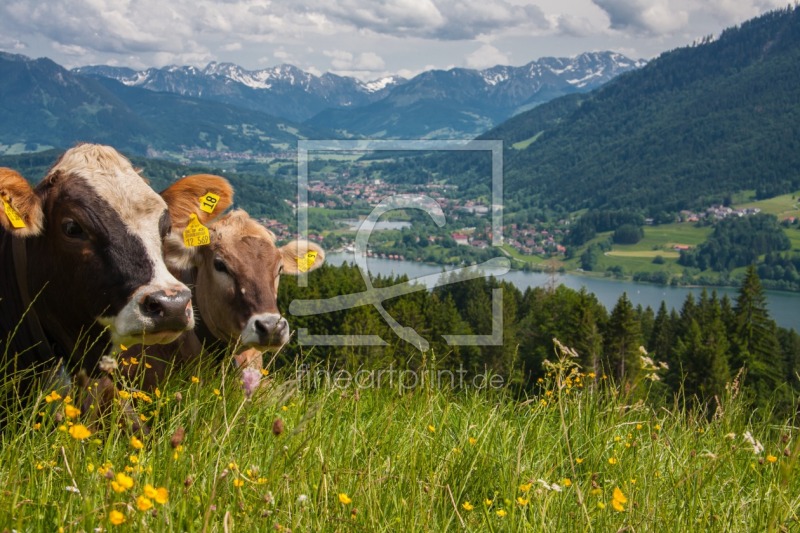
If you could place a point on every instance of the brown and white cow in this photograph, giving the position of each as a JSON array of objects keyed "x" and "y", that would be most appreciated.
[
  {"x": 234, "y": 281},
  {"x": 82, "y": 256}
]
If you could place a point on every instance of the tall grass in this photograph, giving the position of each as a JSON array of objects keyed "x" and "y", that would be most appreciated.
[{"x": 580, "y": 456}]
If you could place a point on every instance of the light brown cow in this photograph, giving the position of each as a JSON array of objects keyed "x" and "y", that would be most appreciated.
[{"x": 234, "y": 283}]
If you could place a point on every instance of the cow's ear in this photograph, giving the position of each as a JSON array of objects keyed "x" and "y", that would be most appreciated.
[
  {"x": 177, "y": 256},
  {"x": 204, "y": 195},
  {"x": 301, "y": 256},
  {"x": 21, "y": 207}
]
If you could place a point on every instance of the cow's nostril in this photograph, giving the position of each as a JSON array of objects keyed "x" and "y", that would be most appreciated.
[
  {"x": 261, "y": 327},
  {"x": 153, "y": 306}
]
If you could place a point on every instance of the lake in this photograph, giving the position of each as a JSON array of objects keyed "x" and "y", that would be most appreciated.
[{"x": 783, "y": 306}]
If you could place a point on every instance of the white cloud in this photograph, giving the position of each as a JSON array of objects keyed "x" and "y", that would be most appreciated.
[
  {"x": 380, "y": 36},
  {"x": 486, "y": 56},
  {"x": 342, "y": 60},
  {"x": 653, "y": 17}
]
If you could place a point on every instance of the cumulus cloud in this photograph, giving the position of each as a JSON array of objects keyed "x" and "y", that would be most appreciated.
[
  {"x": 342, "y": 60},
  {"x": 649, "y": 17},
  {"x": 734, "y": 11},
  {"x": 432, "y": 19},
  {"x": 486, "y": 56}
]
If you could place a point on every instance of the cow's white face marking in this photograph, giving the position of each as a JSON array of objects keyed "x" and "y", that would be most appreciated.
[{"x": 139, "y": 208}]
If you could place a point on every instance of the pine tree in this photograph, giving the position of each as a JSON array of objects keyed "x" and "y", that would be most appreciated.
[
  {"x": 623, "y": 338},
  {"x": 758, "y": 349}
]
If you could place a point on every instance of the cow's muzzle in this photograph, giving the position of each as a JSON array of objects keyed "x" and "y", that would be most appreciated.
[
  {"x": 169, "y": 310},
  {"x": 267, "y": 330}
]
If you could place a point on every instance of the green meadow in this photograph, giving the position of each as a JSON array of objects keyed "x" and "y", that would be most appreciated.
[{"x": 321, "y": 451}]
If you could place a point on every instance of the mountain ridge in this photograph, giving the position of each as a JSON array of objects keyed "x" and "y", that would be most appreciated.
[{"x": 384, "y": 106}]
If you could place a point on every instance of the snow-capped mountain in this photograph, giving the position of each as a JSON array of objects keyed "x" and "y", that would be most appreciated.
[
  {"x": 436, "y": 103},
  {"x": 283, "y": 90},
  {"x": 463, "y": 102}
]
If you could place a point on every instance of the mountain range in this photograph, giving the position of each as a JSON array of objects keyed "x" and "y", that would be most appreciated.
[
  {"x": 43, "y": 105},
  {"x": 434, "y": 104}
]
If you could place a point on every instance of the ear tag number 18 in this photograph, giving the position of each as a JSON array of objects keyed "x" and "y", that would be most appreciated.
[
  {"x": 195, "y": 234},
  {"x": 14, "y": 217},
  {"x": 306, "y": 262},
  {"x": 208, "y": 202}
]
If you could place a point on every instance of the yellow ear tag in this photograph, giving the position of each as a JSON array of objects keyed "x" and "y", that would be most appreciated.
[
  {"x": 13, "y": 216},
  {"x": 306, "y": 262},
  {"x": 195, "y": 234},
  {"x": 208, "y": 202}
]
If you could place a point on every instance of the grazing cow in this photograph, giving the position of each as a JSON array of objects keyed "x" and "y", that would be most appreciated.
[
  {"x": 235, "y": 287},
  {"x": 82, "y": 254}
]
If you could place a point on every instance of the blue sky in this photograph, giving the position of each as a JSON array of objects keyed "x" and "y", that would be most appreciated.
[{"x": 363, "y": 38}]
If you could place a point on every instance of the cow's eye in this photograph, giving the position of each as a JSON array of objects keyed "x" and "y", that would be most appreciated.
[
  {"x": 220, "y": 266},
  {"x": 72, "y": 229}
]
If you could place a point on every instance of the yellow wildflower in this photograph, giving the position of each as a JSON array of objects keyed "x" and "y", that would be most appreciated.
[
  {"x": 133, "y": 459},
  {"x": 578, "y": 460},
  {"x": 344, "y": 499},
  {"x": 68, "y": 399},
  {"x": 771, "y": 458},
  {"x": 501, "y": 513},
  {"x": 487, "y": 502},
  {"x": 52, "y": 397},
  {"x": 124, "y": 481},
  {"x": 567, "y": 482},
  {"x": 136, "y": 443},
  {"x": 71, "y": 411},
  {"x": 216, "y": 392},
  {"x": 143, "y": 503},
  {"x": 116, "y": 518},
  {"x": 473, "y": 441},
  {"x": 195, "y": 379},
  {"x": 522, "y": 501},
  {"x": 37, "y": 425},
  {"x": 638, "y": 426},
  {"x": 432, "y": 428},
  {"x": 612, "y": 460},
  {"x": 150, "y": 491},
  {"x": 264, "y": 372},
  {"x": 123, "y": 394},
  {"x": 238, "y": 482},
  {"x": 618, "y": 500},
  {"x": 79, "y": 432},
  {"x": 601, "y": 505},
  {"x": 162, "y": 496},
  {"x": 467, "y": 506}
]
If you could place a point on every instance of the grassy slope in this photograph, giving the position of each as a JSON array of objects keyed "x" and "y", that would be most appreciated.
[{"x": 413, "y": 460}]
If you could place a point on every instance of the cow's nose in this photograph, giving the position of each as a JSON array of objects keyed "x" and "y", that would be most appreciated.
[
  {"x": 270, "y": 329},
  {"x": 169, "y": 310}
]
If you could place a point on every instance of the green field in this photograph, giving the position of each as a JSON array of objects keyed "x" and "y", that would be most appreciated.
[
  {"x": 784, "y": 206},
  {"x": 579, "y": 456}
]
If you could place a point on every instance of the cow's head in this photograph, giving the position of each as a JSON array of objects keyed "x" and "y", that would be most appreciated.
[
  {"x": 94, "y": 231},
  {"x": 237, "y": 278}
]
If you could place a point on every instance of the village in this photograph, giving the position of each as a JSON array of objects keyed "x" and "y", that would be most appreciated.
[{"x": 468, "y": 220}]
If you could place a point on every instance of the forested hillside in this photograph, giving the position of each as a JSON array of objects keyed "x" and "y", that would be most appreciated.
[
  {"x": 706, "y": 345},
  {"x": 690, "y": 128}
]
